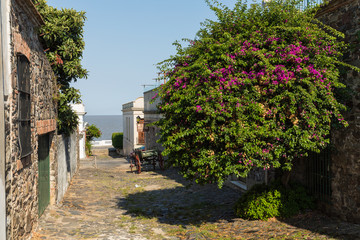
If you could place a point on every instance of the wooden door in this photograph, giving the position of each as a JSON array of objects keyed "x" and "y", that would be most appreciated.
[{"x": 44, "y": 173}]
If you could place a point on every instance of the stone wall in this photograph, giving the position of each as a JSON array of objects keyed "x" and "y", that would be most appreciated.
[
  {"x": 344, "y": 15},
  {"x": 345, "y": 157},
  {"x": 68, "y": 157},
  {"x": 22, "y": 173}
]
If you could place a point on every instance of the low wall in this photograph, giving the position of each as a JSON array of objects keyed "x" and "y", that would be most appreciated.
[
  {"x": 68, "y": 159},
  {"x": 101, "y": 143}
]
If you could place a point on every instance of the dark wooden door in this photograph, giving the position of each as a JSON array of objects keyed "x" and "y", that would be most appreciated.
[{"x": 44, "y": 173}]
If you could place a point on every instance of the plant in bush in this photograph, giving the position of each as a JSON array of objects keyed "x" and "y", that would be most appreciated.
[
  {"x": 91, "y": 132},
  {"x": 295, "y": 199},
  {"x": 255, "y": 89},
  {"x": 264, "y": 202},
  {"x": 88, "y": 148},
  {"x": 117, "y": 140}
]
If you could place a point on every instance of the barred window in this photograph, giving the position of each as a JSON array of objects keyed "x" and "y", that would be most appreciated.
[{"x": 24, "y": 105}]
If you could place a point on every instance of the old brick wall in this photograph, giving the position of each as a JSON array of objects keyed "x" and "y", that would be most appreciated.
[
  {"x": 344, "y": 15},
  {"x": 22, "y": 173}
]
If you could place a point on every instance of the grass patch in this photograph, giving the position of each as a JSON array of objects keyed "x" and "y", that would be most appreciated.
[
  {"x": 204, "y": 231},
  {"x": 132, "y": 229}
]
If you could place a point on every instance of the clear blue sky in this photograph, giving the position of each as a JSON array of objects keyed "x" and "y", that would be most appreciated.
[{"x": 124, "y": 39}]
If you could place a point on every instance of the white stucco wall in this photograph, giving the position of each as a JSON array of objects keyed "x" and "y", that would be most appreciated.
[
  {"x": 151, "y": 115},
  {"x": 79, "y": 109},
  {"x": 130, "y": 111}
]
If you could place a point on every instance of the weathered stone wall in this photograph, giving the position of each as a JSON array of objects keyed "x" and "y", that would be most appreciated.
[
  {"x": 67, "y": 153},
  {"x": 344, "y": 15},
  {"x": 345, "y": 158},
  {"x": 22, "y": 173}
]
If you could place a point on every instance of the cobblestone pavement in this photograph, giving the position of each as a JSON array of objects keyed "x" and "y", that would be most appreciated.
[{"x": 107, "y": 201}]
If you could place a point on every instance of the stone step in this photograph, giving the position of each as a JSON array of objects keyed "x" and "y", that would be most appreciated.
[
  {"x": 104, "y": 151},
  {"x": 100, "y": 151}
]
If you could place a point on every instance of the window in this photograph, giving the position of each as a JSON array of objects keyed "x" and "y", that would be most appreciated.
[
  {"x": 128, "y": 128},
  {"x": 24, "y": 105}
]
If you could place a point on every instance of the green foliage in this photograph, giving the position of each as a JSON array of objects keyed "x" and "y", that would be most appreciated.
[
  {"x": 255, "y": 89},
  {"x": 67, "y": 119},
  {"x": 88, "y": 148},
  {"x": 62, "y": 38},
  {"x": 264, "y": 202},
  {"x": 91, "y": 132},
  {"x": 117, "y": 140}
]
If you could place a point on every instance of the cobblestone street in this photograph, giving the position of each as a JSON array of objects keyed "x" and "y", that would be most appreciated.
[{"x": 107, "y": 201}]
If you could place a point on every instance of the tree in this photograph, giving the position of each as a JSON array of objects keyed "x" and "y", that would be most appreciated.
[
  {"x": 62, "y": 38},
  {"x": 255, "y": 89},
  {"x": 91, "y": 132}
]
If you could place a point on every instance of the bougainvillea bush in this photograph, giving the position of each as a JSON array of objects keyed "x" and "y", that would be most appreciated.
[{"x": 255, "y": 89}]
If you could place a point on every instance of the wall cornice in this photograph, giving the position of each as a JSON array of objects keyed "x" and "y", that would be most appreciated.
[
  {"x": 332, "y": 6},
  {"x": 31, "y": 11}
]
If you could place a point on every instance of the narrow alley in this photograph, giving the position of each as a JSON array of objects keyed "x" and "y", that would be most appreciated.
[{"x": 107, "y": 201}]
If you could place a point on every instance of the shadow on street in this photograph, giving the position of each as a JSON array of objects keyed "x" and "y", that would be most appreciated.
[
  {"x": 181, "y": 205},
  {"x": 197, "y": 205}
]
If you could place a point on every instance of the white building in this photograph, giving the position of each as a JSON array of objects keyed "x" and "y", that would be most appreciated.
[
  {"x": 133, "y": 128},
  {"x": 79, "y": 109},
  {"x": 151, "y": 114}
]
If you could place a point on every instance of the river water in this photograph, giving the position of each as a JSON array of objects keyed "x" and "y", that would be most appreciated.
[{"x": 108, "y": 124}]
